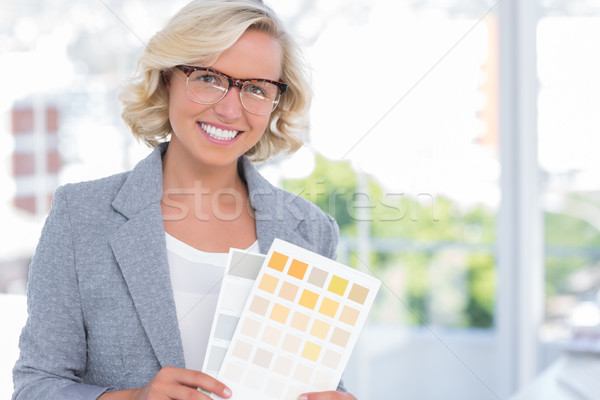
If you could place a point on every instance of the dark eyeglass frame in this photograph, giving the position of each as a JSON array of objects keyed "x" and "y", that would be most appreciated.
[{"x": 236, "y": 82}]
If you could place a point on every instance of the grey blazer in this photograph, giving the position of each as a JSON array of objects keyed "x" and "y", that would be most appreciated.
[{"x": 100, "y": 302}]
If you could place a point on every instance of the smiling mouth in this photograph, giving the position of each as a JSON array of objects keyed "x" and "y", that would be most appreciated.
[{"x": 218, "y": 133}]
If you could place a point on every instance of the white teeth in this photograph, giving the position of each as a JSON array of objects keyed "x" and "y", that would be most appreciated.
[{"x": 218, "y": 133}]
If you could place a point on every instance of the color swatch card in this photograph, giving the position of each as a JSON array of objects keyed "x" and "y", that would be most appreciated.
[
  {"x": 298, "y": 327},
  {"x": 240, "y": 274}
]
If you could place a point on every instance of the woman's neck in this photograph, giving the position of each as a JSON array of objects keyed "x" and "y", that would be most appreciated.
[
  {"x": 181, "y": 172},
  {"x": 206, "y": 207}
]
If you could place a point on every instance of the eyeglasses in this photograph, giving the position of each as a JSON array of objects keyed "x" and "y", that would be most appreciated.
[{"x": 209, "y": 86}]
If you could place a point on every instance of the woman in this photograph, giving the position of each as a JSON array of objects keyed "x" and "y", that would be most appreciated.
[{"x": 220, "y": 85}]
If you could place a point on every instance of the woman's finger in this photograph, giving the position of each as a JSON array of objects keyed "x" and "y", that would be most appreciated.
[
  {"x": 198, "y": 380},
  {"x": 330, "y": 395}
]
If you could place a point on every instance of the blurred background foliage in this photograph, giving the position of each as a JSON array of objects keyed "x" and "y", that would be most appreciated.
[{"x": 445, "y": 246}]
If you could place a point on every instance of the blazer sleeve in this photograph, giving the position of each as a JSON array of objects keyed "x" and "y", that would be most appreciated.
[
  {"x": 331, "y": 237},
  {"x": 53, "y": 342}
]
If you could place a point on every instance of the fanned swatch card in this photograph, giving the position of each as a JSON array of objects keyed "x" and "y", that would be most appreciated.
[
  {"x": 240, "y": 274},
  {"x": 298, "y": 327}
]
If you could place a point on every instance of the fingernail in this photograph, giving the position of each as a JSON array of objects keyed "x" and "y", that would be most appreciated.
[
  {"x": 303, "y": 397},
  {"x": 227, "y": 392}
]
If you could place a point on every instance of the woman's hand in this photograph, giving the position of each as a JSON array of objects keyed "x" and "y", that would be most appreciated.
[
  {"x": 173, "y": 384},
  {"x": 332, "y": 395}
]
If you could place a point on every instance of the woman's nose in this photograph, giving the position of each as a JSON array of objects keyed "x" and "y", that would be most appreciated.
[{"x": 230, "y": 107}]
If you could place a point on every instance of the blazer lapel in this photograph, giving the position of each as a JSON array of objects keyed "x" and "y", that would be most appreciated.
[
  {"x": 275, "y": 213},
  {"x": 140, "y": 250}
]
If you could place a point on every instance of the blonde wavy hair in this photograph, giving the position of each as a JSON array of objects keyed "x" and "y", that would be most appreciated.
[{"x": 198, "y": 34}]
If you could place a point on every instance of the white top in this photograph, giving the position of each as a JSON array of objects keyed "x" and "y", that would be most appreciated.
[{"x": 196, "y": 279}]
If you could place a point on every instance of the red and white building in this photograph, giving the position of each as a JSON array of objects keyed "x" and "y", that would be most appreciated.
[{"x": 35, "y": 159}]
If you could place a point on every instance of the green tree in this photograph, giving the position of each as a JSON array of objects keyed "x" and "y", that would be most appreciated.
[{"x": 424, "y": 225}]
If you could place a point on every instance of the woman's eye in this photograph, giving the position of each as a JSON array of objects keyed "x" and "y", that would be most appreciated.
[
  {"x": 206, "y": 78},
  {"x": 255, "y": 90}
]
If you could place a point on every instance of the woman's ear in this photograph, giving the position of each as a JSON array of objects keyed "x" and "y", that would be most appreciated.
[{"x": 166, "y": 78}]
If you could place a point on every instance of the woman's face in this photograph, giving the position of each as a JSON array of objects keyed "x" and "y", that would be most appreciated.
[{"x": 215, "y": 135}]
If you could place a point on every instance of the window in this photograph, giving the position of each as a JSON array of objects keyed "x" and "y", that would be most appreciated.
[
  {"x": 569, "y": 123},
  {"x": 408, "y": 160}
]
